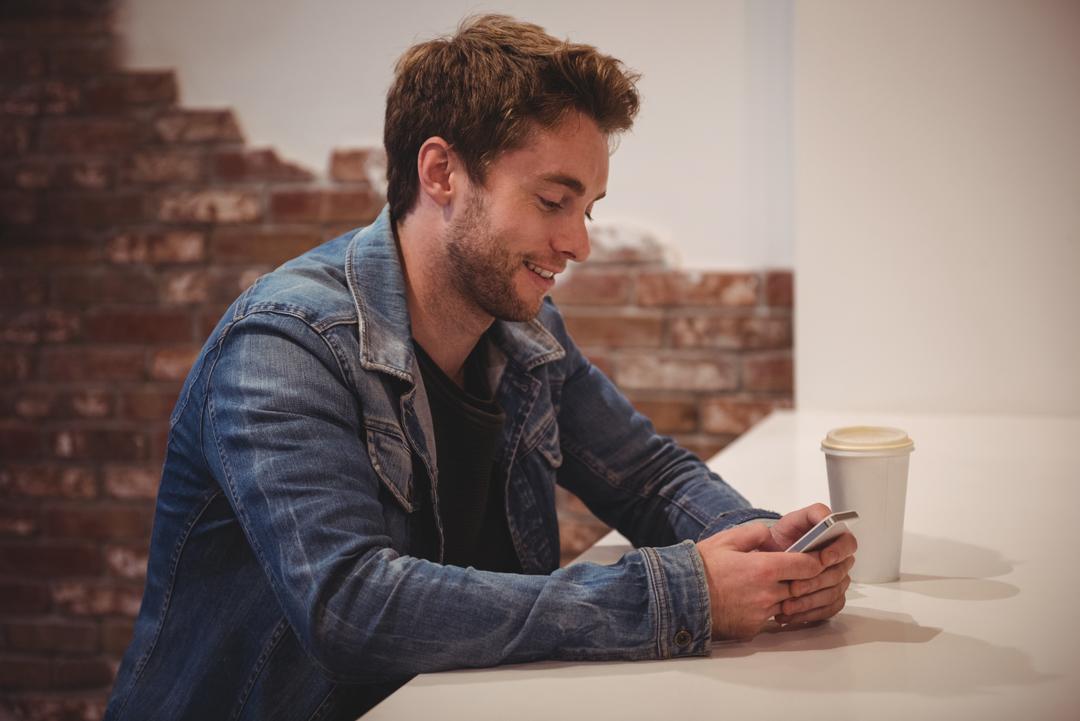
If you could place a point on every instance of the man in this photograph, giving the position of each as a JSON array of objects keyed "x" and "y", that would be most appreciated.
[{"x": 360, "y": 476}]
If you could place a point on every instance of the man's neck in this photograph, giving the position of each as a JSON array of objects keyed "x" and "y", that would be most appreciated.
[{"x": 443, "y": 323}]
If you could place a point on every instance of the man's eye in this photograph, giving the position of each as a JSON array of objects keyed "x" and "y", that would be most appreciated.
[{"x": 549, "y": 204}]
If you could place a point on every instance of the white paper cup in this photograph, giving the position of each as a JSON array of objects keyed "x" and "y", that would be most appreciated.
[{"x": 868, "y": 469}]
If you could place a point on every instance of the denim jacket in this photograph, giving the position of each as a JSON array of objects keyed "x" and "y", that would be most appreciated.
[{"x": 294, "y": 568}]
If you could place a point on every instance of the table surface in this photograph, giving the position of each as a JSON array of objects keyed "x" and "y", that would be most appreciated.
[{"x": 981, "y": 625}]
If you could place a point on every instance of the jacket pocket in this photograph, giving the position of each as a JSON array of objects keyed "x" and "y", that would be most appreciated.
[{"x": 392, "y": 461}]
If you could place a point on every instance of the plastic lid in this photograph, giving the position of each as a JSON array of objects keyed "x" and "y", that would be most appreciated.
[{"x": 867, "y": 438}]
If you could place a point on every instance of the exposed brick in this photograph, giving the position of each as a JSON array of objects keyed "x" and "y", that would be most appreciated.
[
  {"x": 82, "y": 707},
  {"x": 89, "y": 174},
  {"x": 25, "y": 673},
  {"x": 18, "y": 597},
  {"x": 14, "y": 136},
  {"x": 116, "y": 634},
  {"x": 30, "y": 175},
  {"x": 577, "y": 535},
  {"x": 620, "y": 243},
  {"x": 150, "y": 404},
  {"x": 35, "y": 404},
  {"x": 164, "y": 166},
  {"x": 23, "y": 288},
  {"x": 779, "y": 289},
  {"x": 99, "y": 445},
  {"x": 92, "y": 286},
  {"x": 88, "y": 58},
  {"x": 112, "y": 522},
  {"x": 768, "y": 373},
  {"x": 88, "y": 135},
  {"x": 18, "y": 521},
  {"x": 299, "y": 206},
  {"x": 677, "y": 288},
  {"x": 732, "y": 332},
  {"x": 77, "y": 673},
  {"x": 132, "y": 481},
  {"x": 14, "y": 365},
  {"x": 20, "y": 443},
  {"x": 676, "y": 373},
  {"x": 49, "y": 248},
  {"x": 94, "y": 210},
  {"x": 170, "y": 364},
  {"x": 186, "y": 287},
  {"x": 733, "y": 416},
  {"x": 178, "y": 246},
  {"x": 92, "y": 364},
  {"x": 47, "y": 481},
  {"x": 210, "y": 206},
  {"x": 583, "y": 286},
  {"x": 198, "y": 126},
  {"x": 23, "y": 99},
  {"x": 120, "y": 92},
  {"x": 49, "y": 560},
  {"x": 126, "y": 561},
  {"x": 669, "y": 416},
  {"x": 257, "y": 245},
  {"x": 351, "y": 165},
  {"x": 615, "y": 331},
  {"x": 65, "y": 636},
  {"x": 143, "y": 325},
  {"x": 39, "y": 326},
  {"x": 19, "y": 208},
  {"x": 90, "y": 403},
  {"x": 80, "y": 598},
  {"x": 256, "y": 165},
  {"x": 21, "y": 63}
]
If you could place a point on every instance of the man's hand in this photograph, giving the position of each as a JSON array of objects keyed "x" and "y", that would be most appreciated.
[
  {"x": 747, "y": 589},
  {"x": 821, "y": 597}
]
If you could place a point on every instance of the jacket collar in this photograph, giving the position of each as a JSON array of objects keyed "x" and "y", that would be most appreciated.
[{"x": 377, "y": 282}]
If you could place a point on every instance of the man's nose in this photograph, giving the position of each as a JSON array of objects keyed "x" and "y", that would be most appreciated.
[{"x": 573, "y": 242}]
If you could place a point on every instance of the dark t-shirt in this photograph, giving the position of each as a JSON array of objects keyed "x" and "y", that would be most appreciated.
[{"x": 468, "y": 424}]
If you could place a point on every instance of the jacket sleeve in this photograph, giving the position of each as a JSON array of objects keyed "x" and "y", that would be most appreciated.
[
  {"x": 641, "y": 483},
  {"x": 283, "y": 437}
]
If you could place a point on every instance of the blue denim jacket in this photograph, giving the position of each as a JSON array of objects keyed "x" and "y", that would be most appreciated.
[{"x": 294, "y": 567}]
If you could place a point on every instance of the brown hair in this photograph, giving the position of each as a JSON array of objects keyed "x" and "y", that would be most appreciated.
[{"x": 483, "y": 89}]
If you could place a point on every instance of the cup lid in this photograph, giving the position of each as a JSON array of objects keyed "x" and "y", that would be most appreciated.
[{"x": 867, "y": 438}]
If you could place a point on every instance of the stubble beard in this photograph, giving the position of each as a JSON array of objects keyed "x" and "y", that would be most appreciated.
[{"x": 481, "y": 270}]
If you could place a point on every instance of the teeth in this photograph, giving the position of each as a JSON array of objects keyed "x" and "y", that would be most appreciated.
[{"x": 539, "y": 271}]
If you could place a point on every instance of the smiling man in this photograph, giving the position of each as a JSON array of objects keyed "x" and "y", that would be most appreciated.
[{"x": 360, "y": 477}]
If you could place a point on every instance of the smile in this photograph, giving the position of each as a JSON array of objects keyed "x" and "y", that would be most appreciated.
[{"x": 540, "y": 271}]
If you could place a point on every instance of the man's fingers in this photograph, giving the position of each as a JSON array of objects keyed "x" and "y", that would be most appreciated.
[
  {"x": 792, "y": 566},
  {"x": 817, "y": 614},
  {"x": 745, "y": 538},
  {"x": 831, "y": 576},
  {"x": 818, "y": 599},
  {"x": 843, "y": 547}
]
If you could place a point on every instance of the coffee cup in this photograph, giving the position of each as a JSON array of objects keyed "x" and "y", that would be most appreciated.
[{"x": 868, "y": 468}]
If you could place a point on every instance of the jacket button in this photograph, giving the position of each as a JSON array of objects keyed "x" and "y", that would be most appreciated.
[{"x": 683, "y": 638}]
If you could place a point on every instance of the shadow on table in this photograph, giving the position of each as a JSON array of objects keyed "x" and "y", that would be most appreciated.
[{"x": 949, "y": 569}]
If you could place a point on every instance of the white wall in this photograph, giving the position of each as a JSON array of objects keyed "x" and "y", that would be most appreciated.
[
  {"x": 707, "y": 167},
  {"x": 937, "y": 182}
]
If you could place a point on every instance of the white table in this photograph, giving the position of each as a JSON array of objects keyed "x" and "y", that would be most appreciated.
[{"x": 981, "y": 625}]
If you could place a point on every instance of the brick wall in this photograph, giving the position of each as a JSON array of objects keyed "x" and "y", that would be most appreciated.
[{"x": 127, "y": 223}]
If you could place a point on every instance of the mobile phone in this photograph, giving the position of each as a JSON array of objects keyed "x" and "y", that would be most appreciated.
[{"x": 824, "y": 531}]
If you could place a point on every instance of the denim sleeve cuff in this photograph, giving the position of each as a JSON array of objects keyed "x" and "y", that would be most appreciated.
[
  {"x": 680, "y": 600},
  {"x": 735, "y": 518}
]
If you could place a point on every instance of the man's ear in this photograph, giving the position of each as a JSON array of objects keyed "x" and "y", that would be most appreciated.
[{"x": 437, "y": 166}]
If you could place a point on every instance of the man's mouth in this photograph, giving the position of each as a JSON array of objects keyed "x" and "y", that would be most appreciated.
[{"x": 546, "y": 274}]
